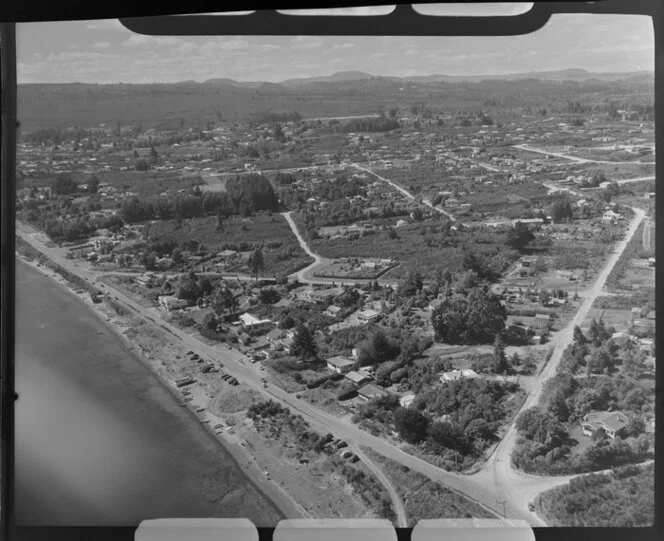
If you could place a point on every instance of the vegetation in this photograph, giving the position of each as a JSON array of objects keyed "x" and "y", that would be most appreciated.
[
  {"x": 472, "y": 318},
  {"x": 622, "y": 498}
]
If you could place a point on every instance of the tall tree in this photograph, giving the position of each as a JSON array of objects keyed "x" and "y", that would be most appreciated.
[
  {"x": 499, "y": 359},
  {"x": 256, "y": 263},
  {"x": 304, "y": 344}
]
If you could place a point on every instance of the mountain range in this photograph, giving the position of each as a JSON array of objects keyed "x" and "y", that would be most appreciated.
[{"x": 572, "y": 74}]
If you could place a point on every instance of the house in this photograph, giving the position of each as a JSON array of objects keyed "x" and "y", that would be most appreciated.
[
  {"x": 651, "y": 315},
  {"x": 406, "y": 400},
  {"x": 401, "y": 223},
  {"x": 250, "y": 322},
  {"x": 651, "y": 261},
  {"x": 611, "y": 422},
  {"x": 333, "y": 311},
  {"x": 454, "y": 375},
  {"x": 568, "y": 275},
  {"x": 168, "y": 302},
  {"x": 358, "y": 377},
  {"x": 371, "y": 391},
  {"x": 367, "y": 316},
  {"x": 340, "y": 364}
]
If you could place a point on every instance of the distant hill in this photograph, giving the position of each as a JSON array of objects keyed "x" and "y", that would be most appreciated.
[{"x": 334, "y": 78}]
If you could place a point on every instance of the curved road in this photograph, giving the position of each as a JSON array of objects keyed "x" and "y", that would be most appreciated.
[
  {"x": 577, "y": 159},
  {"x": 495, "y": 483},
  {"x": 402, "y": 520}
]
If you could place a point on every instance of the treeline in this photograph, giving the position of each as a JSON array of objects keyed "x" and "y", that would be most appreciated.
[
  {"x": 371, "y": 125},
  {"x": 270, "y": 117},
  {"x": 244, "y": 195}
]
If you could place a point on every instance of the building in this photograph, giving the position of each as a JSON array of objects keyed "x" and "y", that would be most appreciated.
[
  {"x": 250, "y": 322},
  {"x": 168, "y": 303},
  {"x": 339, "y": 364},
  {"x": 651, "y": 261},
  {"x": 371, "y": 391},
  {"x": 611, "y": 422},
  {"x": 454, "y": 375},
  {"x": 367, "y": 316},
  {"x": 333, "y": 311},
  {"x": 359, "y": 377},
  {"x": 406, "y": 400}
]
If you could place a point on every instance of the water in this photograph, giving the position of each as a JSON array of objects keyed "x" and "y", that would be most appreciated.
[{"x": 98, "y": 440}]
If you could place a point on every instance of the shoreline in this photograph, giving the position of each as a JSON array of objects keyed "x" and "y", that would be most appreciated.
[{"x": 242, "y": 459}]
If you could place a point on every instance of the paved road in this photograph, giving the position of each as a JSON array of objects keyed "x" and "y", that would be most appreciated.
[
  {"x": 402, "y": 520},
  {"x": 402, "y": 190},
  {"x": 518, "y": 487},
  {"x": 496, "y": 483},
  {"x": 528, "y": 148}
]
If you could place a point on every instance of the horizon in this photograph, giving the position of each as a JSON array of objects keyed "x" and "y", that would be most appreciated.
[
  {"x": 105, "y": 52},
  {"x": 371, "y": 75}
]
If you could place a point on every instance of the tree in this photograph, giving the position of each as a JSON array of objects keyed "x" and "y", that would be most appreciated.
[
  {"x": 579, "y": 337},
  {"x": 499, "y": 359},
  {"x": 411, "y": 424},
  {"x": 519, "y": 237},
  {"x": 269, "y": 296},
  {"x": 153, "y": 153},
  {"x": 562, "y": 211},
  {"x": 474, "y": 318},
  {"x": 93, "y": 184},
  {"x": 150, "y": 261},
  {"x": 64, "y": 184},
  {"x": 210, "y": 321},
  {"x": 304, "y": 344},
  {"x": 142, "y": 165},
  {"x": 256, "y": 263},
  {"x": 224, "y": 301}
]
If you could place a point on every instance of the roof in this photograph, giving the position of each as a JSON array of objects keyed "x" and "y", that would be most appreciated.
[
  {"x": 358, "y": 376},
  {"x": 615, "y": 420},
  {"x": 454, "y": 375},
  {"x": 249, "y": 320},
  {"x": 370, "y": 390},
  {"x": 340, "y": 361},
  {"x": 368, "y": 314}
]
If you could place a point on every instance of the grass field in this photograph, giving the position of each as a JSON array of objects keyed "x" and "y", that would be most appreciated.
[{"x": 281, "y": 250}]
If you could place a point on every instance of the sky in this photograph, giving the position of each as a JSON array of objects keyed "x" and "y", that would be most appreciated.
[{"x": 104, "y": 51}]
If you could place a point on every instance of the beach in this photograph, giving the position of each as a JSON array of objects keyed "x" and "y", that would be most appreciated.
[{"x": 100, "y": 439}]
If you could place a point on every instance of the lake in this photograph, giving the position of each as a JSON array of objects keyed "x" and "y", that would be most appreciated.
[{"x": 99, "y": 441}]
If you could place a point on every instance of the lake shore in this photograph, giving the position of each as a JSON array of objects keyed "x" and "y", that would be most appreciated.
[{"x": 162, "y": 370}]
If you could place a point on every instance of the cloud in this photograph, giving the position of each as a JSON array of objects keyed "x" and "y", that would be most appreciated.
[
  {"x": 306, "y": 42},
  {"x": 108, "y": 25},
  {"x": 344, "y": 46},
  {"x": 140, "y": 40},
  {"x": 102, "y": 45}
]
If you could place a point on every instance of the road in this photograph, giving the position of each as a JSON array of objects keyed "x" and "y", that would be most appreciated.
[
  {"x": 495, "y": 483},
  {"x": 402, "y": 190},
  {"x": 518, "y": 487},
  {"x": 528, "y": 148},
  {"x": 402, "y": 520}
]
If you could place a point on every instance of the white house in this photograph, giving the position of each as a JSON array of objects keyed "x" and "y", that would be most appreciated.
[
  {"x": 455, "y": 375},
  {"x": 406, "y": 400},
  {"x": 168, "y": 302},
  {"x": 339, "y": 364}
]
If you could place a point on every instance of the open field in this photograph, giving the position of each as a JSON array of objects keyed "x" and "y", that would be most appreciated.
[{"x": 281, "y": 250}]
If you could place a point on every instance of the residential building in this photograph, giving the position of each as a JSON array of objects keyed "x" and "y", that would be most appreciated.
[
  {"x": 339, "y": 364},
  {"x": 406, "y": 400},
  {"x": 333, "y": 310},
  {"x": 611, "y": 422},
  {"x": 250, "y": 322},
  {"x": 359, "y": 377},
  {"x": 371, "y": 391},
  {"x": 168, "y": 302},
  {"x": 367, "y": 316},
  {"x": 454, "y": 375}
]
